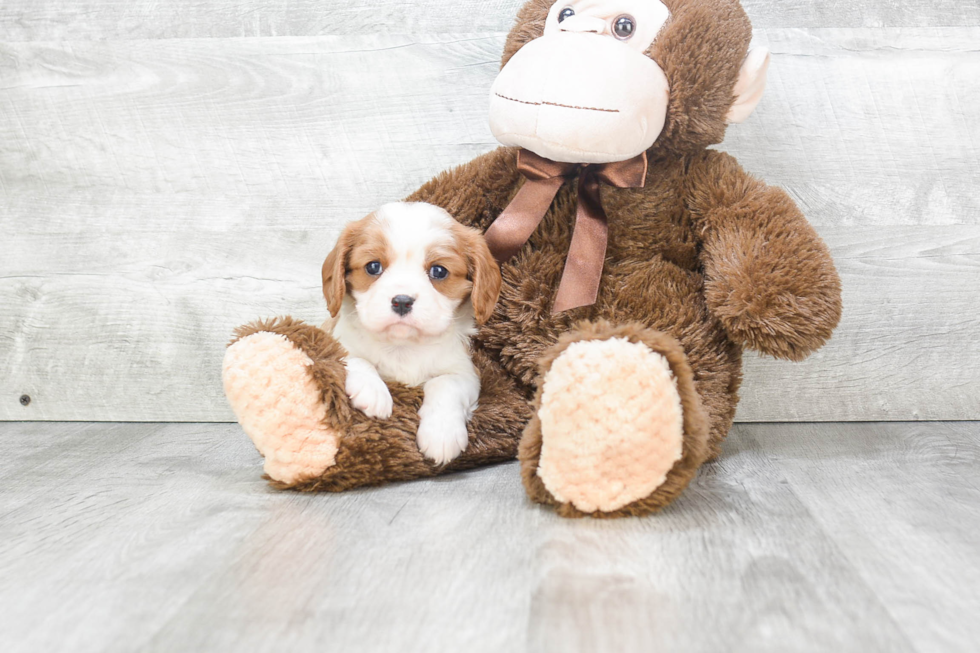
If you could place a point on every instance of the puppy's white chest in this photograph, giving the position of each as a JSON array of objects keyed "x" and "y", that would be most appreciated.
[
  {"x": 409, "y": 363},
  {"x": 413, "y": 365}
]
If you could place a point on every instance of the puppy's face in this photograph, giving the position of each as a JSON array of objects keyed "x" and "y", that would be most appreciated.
[{"x": 409, "y": 267}]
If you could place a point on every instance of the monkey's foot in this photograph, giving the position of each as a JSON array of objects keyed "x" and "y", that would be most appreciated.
[
  {"x": 613, "y": 435},
  {"x": 270, "y": 387},
  {"x": 286, "y": 382}
]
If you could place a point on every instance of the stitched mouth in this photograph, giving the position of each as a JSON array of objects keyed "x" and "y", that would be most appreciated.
[{"x": 556, "y": 104}]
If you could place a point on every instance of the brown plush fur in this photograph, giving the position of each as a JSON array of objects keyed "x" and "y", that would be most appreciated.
[
  {"x": 373, "y": 452},
  {"x": 702, "y": 262}
]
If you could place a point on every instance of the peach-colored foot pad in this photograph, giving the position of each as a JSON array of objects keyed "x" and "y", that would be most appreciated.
[
  {"x": 611, "y": 424},
  {"x": 278, "y": 405}
]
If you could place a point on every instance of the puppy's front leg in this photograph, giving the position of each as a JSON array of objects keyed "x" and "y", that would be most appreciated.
[
  {"x": 449, "y": 403},
  {"x": 366, "y": 390}
]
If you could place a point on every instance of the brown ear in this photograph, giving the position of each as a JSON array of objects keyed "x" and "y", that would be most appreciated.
[
  {"x": 486, "y": 276},
  {"x": 334, "y": 270}
]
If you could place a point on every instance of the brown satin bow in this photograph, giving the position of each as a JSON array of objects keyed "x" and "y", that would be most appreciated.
[{"x": 586, "y": 255}]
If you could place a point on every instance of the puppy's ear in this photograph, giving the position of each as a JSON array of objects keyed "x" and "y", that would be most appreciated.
[
  {"x": 486, "y": 275},
  {"x": 334, "y": 270}
]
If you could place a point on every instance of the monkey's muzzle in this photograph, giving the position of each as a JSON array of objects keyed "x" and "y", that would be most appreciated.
[{"x": 579, "y": 98}]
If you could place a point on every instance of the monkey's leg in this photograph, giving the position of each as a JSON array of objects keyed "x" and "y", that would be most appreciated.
[
  {"x": 285, "y": 382},
  {"x": 618, "y": 428}
]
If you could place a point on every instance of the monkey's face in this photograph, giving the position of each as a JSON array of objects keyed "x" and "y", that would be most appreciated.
[{"x": 585, "y": 91}]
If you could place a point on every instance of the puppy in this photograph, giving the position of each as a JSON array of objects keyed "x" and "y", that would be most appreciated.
[{"x": 406, "y": 287}]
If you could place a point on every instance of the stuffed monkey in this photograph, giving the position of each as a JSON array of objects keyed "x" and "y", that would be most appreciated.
[{"x": 637, "y": 265}]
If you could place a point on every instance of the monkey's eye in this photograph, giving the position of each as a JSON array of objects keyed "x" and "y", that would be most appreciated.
[
  {"x": 373, "y": 268},
  {"x": 438, "y": 272},
  {"x": 567, "y": 12},
  {"x": 624, "y": 27}
]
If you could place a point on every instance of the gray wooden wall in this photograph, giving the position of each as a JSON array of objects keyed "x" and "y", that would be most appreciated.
[{"x": 170, "y": 170}]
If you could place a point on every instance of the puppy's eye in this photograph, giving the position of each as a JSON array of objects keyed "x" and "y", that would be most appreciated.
[
  {"x": 373, "y": 268},
  {"x": 438, "y": 272},
  {"x": 567, "y": 12},
  {"x": 624, "y": 27}
]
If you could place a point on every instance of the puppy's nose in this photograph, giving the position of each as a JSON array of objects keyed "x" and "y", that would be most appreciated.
[{"x": 402, "y": 304}]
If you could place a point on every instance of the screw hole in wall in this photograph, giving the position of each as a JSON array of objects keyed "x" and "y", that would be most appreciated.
[{"x": 25, "y": 400}]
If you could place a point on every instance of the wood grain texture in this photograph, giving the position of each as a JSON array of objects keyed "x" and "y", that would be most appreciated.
[
  {"x": 160, "y": 537},
  {"x": 156, "y": 316},
  {"x": 57, "y": 20},
  {"x": 906, "y": 347},
  {"x": 894, "y": 497},
  {"x": 155, "y": 193}
]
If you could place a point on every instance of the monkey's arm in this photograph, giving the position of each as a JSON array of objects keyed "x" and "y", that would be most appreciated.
[
  {"x": 769, "y": 277},
  {"x": 477, "y": 192}
]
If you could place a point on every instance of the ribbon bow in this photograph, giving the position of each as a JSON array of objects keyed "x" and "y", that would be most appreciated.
[{"x": 586, "y": 255}]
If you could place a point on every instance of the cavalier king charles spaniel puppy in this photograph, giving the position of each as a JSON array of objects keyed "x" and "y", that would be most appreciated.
[{"x": 406, "y": 287}]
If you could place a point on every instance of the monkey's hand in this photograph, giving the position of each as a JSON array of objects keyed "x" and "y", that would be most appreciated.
[{"x": 769, "y": 277}]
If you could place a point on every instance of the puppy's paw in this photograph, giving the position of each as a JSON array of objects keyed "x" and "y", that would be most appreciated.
[
  {"x": 441, "y": 436},
  {"x": 368, "y": 393}
]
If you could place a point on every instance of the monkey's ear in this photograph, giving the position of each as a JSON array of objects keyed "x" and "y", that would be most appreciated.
[{"x": 750, "y": 85}]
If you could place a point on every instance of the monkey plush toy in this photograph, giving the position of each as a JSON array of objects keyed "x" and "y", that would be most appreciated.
[{"x": 637, "y": 265}]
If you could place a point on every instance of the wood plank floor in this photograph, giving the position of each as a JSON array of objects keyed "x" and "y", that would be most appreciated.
[{"x": 163, "y": 537}]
